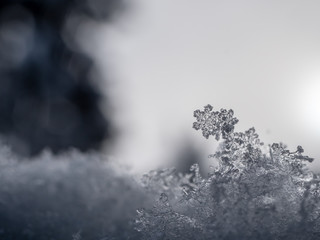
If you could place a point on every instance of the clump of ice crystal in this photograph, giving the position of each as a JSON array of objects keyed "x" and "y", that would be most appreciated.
[{"x": 252, "y": 194}]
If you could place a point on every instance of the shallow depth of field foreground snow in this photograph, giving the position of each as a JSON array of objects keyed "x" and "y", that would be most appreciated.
[{"x": 55, "y": 197}]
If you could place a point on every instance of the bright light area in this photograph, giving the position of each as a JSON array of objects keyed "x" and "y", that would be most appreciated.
[{"x": 309, "y": 103}]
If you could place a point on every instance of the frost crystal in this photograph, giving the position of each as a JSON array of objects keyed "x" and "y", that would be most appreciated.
[
  {"x": 252, "y": 194},
  {"x": 214, "y": 123}
]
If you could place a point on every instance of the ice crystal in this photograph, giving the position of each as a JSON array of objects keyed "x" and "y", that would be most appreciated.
[
  {"x": 252, "y": 194},
  {"x": 164, "y": 222},
  {"x": 215, "y": 123}
]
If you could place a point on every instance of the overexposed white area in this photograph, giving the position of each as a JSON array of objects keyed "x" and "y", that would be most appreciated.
[{"x": 170, "y": 57}]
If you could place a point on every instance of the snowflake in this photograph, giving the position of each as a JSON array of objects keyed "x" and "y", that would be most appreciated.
[{"x": 215, "y": 123}]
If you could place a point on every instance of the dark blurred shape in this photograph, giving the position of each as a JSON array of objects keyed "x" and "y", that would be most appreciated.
[
  {"x": 47, "y": 99},
  {"x": 187, "y": 155}
]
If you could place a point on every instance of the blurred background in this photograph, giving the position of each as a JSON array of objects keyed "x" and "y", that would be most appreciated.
[
  {"x": 49, "y": 95},
  {"x": 126, "y": 78},
  {"x": 260, "y": 58}
]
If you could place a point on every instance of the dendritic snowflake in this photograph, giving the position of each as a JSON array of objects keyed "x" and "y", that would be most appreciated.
[{"x": 215, "y": 123}]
